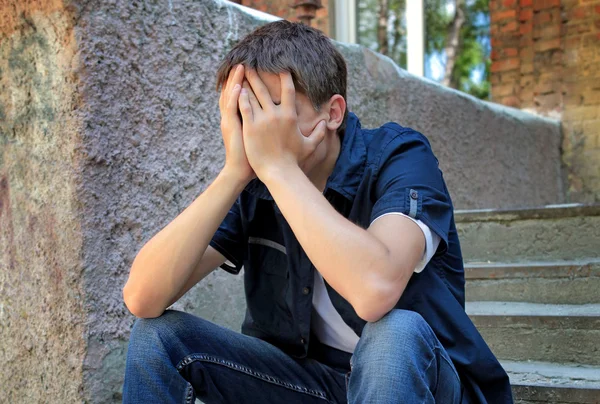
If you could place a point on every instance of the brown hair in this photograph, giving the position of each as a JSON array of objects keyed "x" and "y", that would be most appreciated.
[{"x": 317, "y": 67}]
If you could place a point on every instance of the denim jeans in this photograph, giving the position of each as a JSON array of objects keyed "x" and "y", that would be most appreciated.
[{"x": 178, "y": 357}]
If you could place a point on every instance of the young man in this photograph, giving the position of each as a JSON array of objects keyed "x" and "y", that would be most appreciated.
[{"x": 353, "y": 272}]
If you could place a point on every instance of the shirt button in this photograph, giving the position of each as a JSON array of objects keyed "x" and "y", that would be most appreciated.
[
  {"x": 306, "y": 291},
  {"x": 302, "y": 340}
]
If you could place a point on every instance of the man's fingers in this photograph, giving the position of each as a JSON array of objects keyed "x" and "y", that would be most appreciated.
[
  {"x": 251, "y": 97},
  {"x": 288, "y": 91},
  {"x": 232, "y": 102},
  {"x": 317, "y": 135},
  {"x": 236, "y": 74},
  {"x": 259, "y": 89},
  {"x": 244, "y": 106}
]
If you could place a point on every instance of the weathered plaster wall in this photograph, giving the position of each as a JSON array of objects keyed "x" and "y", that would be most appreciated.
[
  {"x": 41, "y": 303},
  {"x": 115, "y": 130}
]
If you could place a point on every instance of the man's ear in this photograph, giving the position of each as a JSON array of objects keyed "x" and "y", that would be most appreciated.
[{"x": 336, "y": 109}]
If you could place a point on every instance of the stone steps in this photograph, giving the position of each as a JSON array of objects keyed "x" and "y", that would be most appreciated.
[
  {"x": 559, "y": 282},
  {"x": 550, "y": 233},
  {"x": 539, "y": 332},
  {"x": 542, "y": 382},
  {"x": 533, "y": 291}
]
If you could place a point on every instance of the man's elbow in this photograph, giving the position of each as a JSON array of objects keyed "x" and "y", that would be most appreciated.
[
  {"x": 138, "y": 307},
  {"x": 377, "y": 305}
]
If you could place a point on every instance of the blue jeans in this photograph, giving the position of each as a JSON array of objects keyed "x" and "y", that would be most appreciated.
[{"x": 178, "y": 357}]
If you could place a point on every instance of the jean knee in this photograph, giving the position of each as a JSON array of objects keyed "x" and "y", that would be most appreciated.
[
  {"x": 400, "y": 323},
  {"x": 407, "y": 327},
  {"x": 155, "y": 331}
]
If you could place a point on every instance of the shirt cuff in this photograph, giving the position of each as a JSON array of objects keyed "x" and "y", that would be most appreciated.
[{"x": 432, "y": 240}]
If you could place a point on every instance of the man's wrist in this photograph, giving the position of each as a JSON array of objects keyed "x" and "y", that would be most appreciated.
[
  {"x": 234, "y": 178},
  {"x": 279, "y": 173}
]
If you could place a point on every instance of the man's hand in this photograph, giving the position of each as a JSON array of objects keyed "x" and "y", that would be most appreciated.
[
  {"x": 231, "y": 126},
  {"x": 272, "y": 139}
]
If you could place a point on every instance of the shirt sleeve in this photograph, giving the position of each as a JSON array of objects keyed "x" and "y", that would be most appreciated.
[
  {"x": 409, "y": 181},
  {"x": 229, "y": 240},
  {"x": 432, "y": 240}
]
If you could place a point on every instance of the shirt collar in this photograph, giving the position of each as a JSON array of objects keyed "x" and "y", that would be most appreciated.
[{"x": 348, "y": 169}]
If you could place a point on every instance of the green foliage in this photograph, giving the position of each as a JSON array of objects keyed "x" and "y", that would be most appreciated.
[{"x": 474, "y": 56}]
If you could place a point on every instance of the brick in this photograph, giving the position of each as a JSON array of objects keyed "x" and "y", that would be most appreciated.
[
  {"x": 573, "y": 99},
  {"x": 548, "y": 32},
  {"x": 597, "y": 8},
  {"x": 545, "y": 87},
  {"x": 505, "y": 65},
  {"x": 511, "y": 101},
  {"x": 590, "y": 40},
  {"x": 511, "y": 52},
  {"x": 548, "y": 101},
  {"x": 579, "y": 13},
  {"x": 526, "y": 96},
  {"x": 592, "y": 98},
  {"x": 511, "y": 26},
  {"x": 527, "y": 81},
  {"x": 542, "y": 18},
  {"x": 503, "y": 15},
  {"x": 545, "y": 45},
  {"x": 591, "y": 127},
  {"x": 526, "y": 28},
  {"x": 525, "y": 3},
  {"x": 503, "y": 90},
  {"x": 526, "y": 68},
  {"x": 526, "y": 41},
  {"x": 526, "y": 54},
  {"x": 509, "y": 3},
  {"x": 526, "y": 14},
  {"x": 511, "y": 76},
  {"x": 577, "y": 29},
  {"x": 582, "y": 113},
  {"x": 572, "y": 42},
  {"x": 545, "y": 4}
]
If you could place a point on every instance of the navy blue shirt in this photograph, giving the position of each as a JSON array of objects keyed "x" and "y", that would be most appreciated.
[{"x": 387, "y": 169}]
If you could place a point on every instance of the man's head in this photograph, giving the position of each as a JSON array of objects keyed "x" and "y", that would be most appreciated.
[{"x": 317, "y": 68}]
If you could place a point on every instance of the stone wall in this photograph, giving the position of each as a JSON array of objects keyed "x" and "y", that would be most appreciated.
[
  {"x": 546, "y": 59},
  {"x": 110, "y": 128},
  {"x": 42, "y": 308}
]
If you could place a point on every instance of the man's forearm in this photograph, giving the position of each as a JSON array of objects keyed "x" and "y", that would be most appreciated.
[
  {"x": 349, "y": 258},
  {"x": 164, "y": 264}
]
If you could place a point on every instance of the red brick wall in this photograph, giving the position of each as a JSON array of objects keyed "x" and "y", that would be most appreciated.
[
  {"x": 546, "y": 59},
  {"x": 281, "y": 8}
]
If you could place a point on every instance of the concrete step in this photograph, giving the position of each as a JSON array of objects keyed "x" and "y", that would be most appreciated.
[
  {"x": 540, "y": 332},
  {"x": 541, "y": 382},
  {"x": 550, "y": 233},
  {"x": 560, "y": 282}
]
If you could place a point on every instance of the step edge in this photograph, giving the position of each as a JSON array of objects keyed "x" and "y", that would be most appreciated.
[
  {"x": 554, "y": 371},
  {"x": 527, "y": 309},
  {"x": 531, "y": 213},
  {"x": 533, "y": 269}
]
